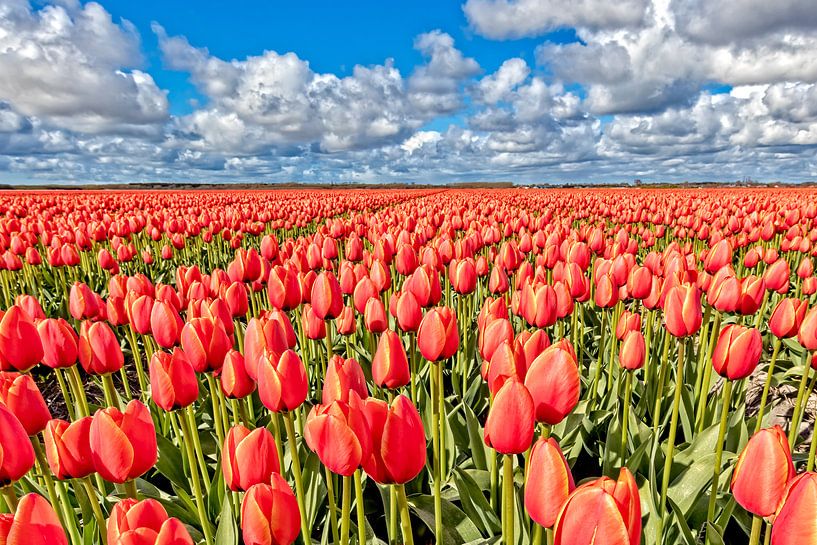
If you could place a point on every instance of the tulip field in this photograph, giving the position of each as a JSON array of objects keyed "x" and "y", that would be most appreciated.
[{"x": 447, "y": 367}]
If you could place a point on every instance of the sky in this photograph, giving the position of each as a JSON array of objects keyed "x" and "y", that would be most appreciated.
[{"x": 523, "y": 91}]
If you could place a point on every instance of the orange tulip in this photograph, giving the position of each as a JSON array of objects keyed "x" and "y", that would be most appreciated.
[
  {"x": 68, "y": 448},
  {"x": 554, "y": 383},
  {"x": 339, "y": 434},
  {"x": 123, "y": 444},
  {"x": 737, "y": 352},
  {"x": 165, "y": 324},
  {"x": 390, "y": 368},
  {"x": 682, "y": 310},
  {"x": 787, "y": 316},
  {"x": 34, "y": 522},
  {"x": 282, "y": 381},
  {"x": 20, "y": 394},
  {"x": 16, "y": 452},
  {"x": 131, "y": 517},
  {"x": 548, "y": 482},
  {"x": 762, "y": 472},
  {"x": 398, "y": 451},
  {"x": 438, "y": 337},
  {"x": 795, "y": 523},
  {"x": 510, "y": 423},
  {"x": 633, "y": 351},
  {"x": 248, "y": 457},
  {"x": 601, "y": 512},
  {"x": 269, "y": 514},
  {"x": 326, "y": 299}
]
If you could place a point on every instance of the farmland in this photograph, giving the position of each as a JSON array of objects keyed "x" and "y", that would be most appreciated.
[{"x": 429, "y": 366}]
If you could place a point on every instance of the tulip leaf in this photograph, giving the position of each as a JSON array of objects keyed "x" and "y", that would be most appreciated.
[
  {"x": 475, "y": 439},
  {"x": 170, "y": 462},
  {"x": 715, "y": 536},
  {"x": 475, "y": 505},
  {"x": 686, "y": 531},
  {"x": 227, "y": 533},
  {"x": 458, "y": 528}
]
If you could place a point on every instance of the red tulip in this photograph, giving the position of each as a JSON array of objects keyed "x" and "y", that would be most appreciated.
[
  {"x": 314, "y": 326},
  {"x": 139, "y": 307},
  {"x": 553, "y": 382},
  {"x": 20, "y": 345},
  {"x": 34, "y": 523},
  {"x": 236, "y": 382},
  {"x": 682, "y": 310},
  {"x": 20, "y": 394},
  {"x": 548, "y": 482},
  {"x": 173, "y": 383},
  {"x": 510, "y": 423},
  {"x": 345, "y": 323},
  {"x": 99, "y": 350},
  {"x": 343, "y": 376},
  {"x": 130, "y": 517},
  {"x": 283, "y": 288},
  {"x": 269, "y": 514},
  {"x": 807, "y": 334},
  {"x": 601, "y": 512},
  {"x": 165, "y": 324},
  {"x": 438, "y": 337},
  {"x": 282, "y": 381},
  {"x": 492, "y": 335},
  {"x": 339, "y": 434},
  {"x": 632, "y": 353},
  {"x": 16, "y": 452},
  {"x": 390, "y": 368},
  {"x": 407, "y": 310},
  {"x": 737, "y": 352},
  {"x": 326, "y": 299},
  {"x": 123, "y": 444},
  {"x": 795, "y": 523},
  {"x": 762, "y": 472},
  {"x": 398, "y": 452},
  {"x": 463, "y": 275},
  {"x": 205, "y": 341},
  {"x": 507, "y": 361},
  {"x": 787, "y": 316},
  {"x": 248, "y": 458},
  {"x": 82, "y": 302},
  {"x": 628, "y": 321},
  {"x": 777, "y": 276},
  {"x": 68, "y": 448},
  {"x": 374, "y": 316}
]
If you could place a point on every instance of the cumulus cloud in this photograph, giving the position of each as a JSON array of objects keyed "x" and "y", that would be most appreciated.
[
  {"x": 75, "y": 68},
  {"x": 503, "y": 19}
]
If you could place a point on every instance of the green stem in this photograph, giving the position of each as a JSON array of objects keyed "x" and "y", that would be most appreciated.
[
  {"x": 436, "y": 429},
  {"x": 130, "y": 489},
  {"x": 795, "y": 421},
  {"x": 217, "y": 416},
  {"x": 190, "y": 415},
  {"x": 346, "y": 510},
  {"x": 507, "y": 499},
  {"x": 69, "y": 405},
  {"x": 393, "y": 516},
  {"x": 59, "y": 506},
  {"x": 197, "y": 492},
  {"x": 296, "y": 471},
  {"x": 662, "y": 379},
  {"x": 333, "y": 508},
  {"x": 360, "y": 509},
  {"x": 10, "y": 496},
  {"x": 767, "y": 385},
  {"x": 673, "y": 428},
  {"x": 597, "y": 376},
  {"x": 703, "y": 396},
  {"x": 628, "y": 389},
  {"x": 537, "y": 534},
  {"x": 405, "y": 517},
  {"x": 111, "y": 397},
  {"x": 716, "y": 470},
  {"x": 98, "y": 515},
  {"x": 757, "y": 525},
  {"x": 75, "y": 381}
]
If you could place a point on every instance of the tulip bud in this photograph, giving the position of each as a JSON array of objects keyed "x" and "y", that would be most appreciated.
[
  {"x": 530, "y": 345},
  {"x": 269, "y": 514},
  {"x": 205, "y": 342},
  {"x": 390, "y": 368},
  {"x": 787, "y": 316},
  {"x": 807, "y": 334},
  {"x": 99, "y": 350},
  {"x": 553, "y": 382},
  {"x": 123, "y": 444},
  {"x": 314, "y": 326},
  {"x": 236, "y": 382},
  {"x": 326, "y": 298},
  {"x": 601, "y": 511},
  {"x": 34, "y": 521},
  {"x": 398, "y": 451},
  {"x": 20, "y": 395},
  {"x": 248, "y": 458},
  {"x": 777, "y": 276},
  {"x": 131, "y": 517},
  {"x": 507, "y": 361},
  {"x": 463, "y": 275},
  {"x": 165, "y": 324},
  {"x": 407, "y": 310},
  {"x": 173, "y": 383},
  {"x": 342, "y": 378},
  {"x": 16, "y": 452},
  {"x": 795, "y": 521},
  {"x": 374, "y": 316},
  {"x": 627, "y": 322},
  {"x": 282, "y": 381},
  {"x": 20, "y": 345},
  {"x": 339, "y": 434},
  {"x": 68, "y": 448},
  {"x": 548, "y": 482},
  {"x": 510, "y": 423},
  {"x": 762, "y": 472},
  {"x": 682, "y": 310},
  {"x": 633, "y": 351},
  {"x": 438, "y": 337},
  {"x": 737, "y": 352}
]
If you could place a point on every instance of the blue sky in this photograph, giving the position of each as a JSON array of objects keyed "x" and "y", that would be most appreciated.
[{"x": 531, "y": 91}]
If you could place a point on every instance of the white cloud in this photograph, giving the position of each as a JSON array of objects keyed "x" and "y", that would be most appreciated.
[
  {"x": 73, "y": 67},
  {"x": 496, "y": 87},
  {"x": 503, "y": 19}
]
